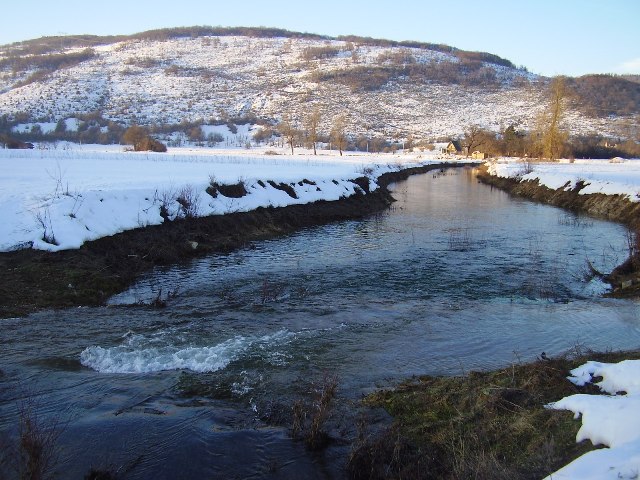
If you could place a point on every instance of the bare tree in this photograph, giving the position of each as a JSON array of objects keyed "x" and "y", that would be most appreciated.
[
  {"x": 473, "y": 138},
  {"x": 551, "y": 135},
  {"x": 338, "y": 132},
  {"x": 312, "y": 122},
  {"x": 288, "y": 132}
]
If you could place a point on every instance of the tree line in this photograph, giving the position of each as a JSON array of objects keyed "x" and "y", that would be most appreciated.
[{"x": 549, "y": 138}]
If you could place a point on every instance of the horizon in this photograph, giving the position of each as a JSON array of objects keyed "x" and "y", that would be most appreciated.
[{"x": 570, "y": 46}]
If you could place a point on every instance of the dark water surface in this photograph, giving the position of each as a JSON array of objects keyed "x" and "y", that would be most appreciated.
[{"x": 455, "y": 277}]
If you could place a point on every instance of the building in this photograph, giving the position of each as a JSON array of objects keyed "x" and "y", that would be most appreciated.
[{"x": 453, "y": 148}]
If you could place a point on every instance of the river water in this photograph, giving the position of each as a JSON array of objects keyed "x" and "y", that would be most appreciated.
[{"x": 456, "y": 276}]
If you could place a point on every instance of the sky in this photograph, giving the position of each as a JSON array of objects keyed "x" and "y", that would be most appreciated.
[{"x": 549, "y": 37}]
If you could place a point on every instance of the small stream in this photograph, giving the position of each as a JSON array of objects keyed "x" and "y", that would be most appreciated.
[{"x": 456, "y": 276}]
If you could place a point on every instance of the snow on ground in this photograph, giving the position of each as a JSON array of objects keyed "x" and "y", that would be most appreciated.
[
  {"x": 195, "y": 79},
  {"x": 59, "y": 198},
  {"x": 600, "y": 176},
  {"x": 610, "y": 420},
  {"x": 45, "y": 127}
]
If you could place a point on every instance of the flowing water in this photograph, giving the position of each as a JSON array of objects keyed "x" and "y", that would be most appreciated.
[{"x": 454, "y": 277}]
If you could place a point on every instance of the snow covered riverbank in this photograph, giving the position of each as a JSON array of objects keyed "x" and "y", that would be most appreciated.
[
  {"x": 58, "y": 199},
  {"x": 598, "y": 176}
]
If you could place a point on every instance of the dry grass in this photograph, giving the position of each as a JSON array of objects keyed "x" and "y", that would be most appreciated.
[{"x": 486, "y": 425}]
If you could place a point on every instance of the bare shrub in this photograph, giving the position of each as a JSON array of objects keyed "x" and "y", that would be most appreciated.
[
  {"x": 189, "y": 200},
  {"x": 165, "y": 199},
  {"x": 633, "y": 246},
  {"x": 43, "y": 218},
  {"x": 35, "y": 455},
  {"x": 148, "y": 144}
]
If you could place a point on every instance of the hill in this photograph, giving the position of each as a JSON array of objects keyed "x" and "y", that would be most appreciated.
[{"x": 211, "y": 75}]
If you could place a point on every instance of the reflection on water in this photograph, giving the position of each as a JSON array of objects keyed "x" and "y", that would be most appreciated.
[{"x": 454, "y": 277}]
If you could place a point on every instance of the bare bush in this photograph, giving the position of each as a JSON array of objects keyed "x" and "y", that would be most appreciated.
[
  {"x": 189, "y": 200},
  {"x": 148, "y": 144},
  {"x": 43, "y": 218},
  {"x": 35, "y": 454}
]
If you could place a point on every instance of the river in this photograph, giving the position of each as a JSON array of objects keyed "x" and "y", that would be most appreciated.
[{"x": 455, "y": 277}]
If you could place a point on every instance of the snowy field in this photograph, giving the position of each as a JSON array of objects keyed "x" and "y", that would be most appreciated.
[
  {"x": 600, "y": 176},
  {"x": 611, "y": 420},
  {"x": 59, "y": 198}
]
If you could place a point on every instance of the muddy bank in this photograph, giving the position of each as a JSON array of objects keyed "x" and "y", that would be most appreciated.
[
  {"x": 32, "y": 280},
  {"x": 625, "y": 279}
]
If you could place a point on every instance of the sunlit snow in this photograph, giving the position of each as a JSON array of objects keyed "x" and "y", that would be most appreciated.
[
  {"x": 611, "y": 420},
  {"x": 56, "y": 199},
  {"x": 598, "y": 176}
]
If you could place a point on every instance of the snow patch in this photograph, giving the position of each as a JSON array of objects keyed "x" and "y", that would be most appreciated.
[{"x": 611, "y": 420}]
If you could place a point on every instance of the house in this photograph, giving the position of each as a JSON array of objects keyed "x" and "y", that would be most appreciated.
[
  {"x": 453, "y": 148},
  {"x": 478, "y": 155}
]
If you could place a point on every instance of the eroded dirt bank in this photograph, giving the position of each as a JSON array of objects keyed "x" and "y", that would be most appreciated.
[
  {"x": 625, "y": 279},
  {"x": 32, "y": 280}
]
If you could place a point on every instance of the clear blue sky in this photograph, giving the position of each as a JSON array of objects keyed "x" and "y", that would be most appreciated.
[{"x": 551, "y": 37}]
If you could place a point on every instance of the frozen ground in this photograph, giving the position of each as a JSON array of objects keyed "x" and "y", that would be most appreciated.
[
  {"x": 599, "y": 176},
  {"x": 59, "y": 198},
  {"x": 611, "y": 420}
]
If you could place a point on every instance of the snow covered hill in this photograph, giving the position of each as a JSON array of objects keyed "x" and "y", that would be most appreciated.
[{"x": 383, "y": 89}]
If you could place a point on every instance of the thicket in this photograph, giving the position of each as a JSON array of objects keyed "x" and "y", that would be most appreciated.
[
  {"x": 514, "y": 142},
  {"x": 470, "y": 73},
  {"x": 461, "y": 54},
  {"x": 318, "y": 53},
  {"x": 604, "y": 95},
  {"x": 94, "y": 128}
]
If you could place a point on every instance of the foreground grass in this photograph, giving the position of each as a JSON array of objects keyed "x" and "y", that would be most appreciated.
[{"x": 485, "y": 425}]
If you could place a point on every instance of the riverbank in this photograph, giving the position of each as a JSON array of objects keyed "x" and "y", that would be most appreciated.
[
  {"x": 486, "y": 425},
  {"x": 33, "y": 280},
  {"x": 625, "y": 279}
]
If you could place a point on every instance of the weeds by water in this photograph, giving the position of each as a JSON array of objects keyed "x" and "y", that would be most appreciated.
[
  {"x": 460, "y": 240},
  {"x": 573, "y": 220},
  {"x": 34, "y": 454},
  {"x": 485, "y": 425},
  {"x": 271, "y": 291},
  {"x": 310, "y": 414}
]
